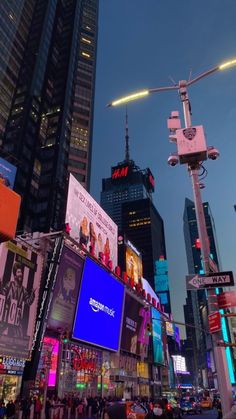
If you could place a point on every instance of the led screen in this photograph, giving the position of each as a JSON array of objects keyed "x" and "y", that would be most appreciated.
[
  {"x": 99, "y": 311},
  {"x": 7, "y": 173},
  {"x": 89, "y": 223},
  {"x": 158, "y": 352},
  {"x": 135, "y": 336},
  {"x": 134, "y": 267}
]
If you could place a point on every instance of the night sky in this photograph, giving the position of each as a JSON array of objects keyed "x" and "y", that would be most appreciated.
[{"x": 142, "y": 44}]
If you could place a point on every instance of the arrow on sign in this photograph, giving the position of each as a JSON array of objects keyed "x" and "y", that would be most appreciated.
[{"x": 213, "y": 280}]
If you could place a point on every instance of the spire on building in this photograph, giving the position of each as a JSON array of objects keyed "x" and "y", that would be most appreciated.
[{"x": 127, "y": 157}]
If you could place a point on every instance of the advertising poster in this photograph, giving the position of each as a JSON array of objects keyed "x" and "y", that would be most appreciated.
[
  {"x": 20, "y": 276},
  {"x": 89, "y": 223},
  {"x": 100, "y": 307},
  {"x": 134, "y": 338},
  {"x": 134, "y": 267},
  {"x": 7, "y": 173},
  {"x": 158, "y": 350},
  {"x": 65, "y": 294}
]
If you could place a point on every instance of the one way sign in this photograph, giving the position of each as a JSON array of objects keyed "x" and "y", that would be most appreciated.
[{"x": 213, "y": 280}]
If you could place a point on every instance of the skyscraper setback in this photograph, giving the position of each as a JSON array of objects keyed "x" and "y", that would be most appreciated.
[{"x": 48, "y": 126}]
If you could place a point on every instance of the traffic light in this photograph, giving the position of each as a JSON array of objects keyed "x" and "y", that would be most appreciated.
[
  {"x": 65, "y": 337},
  {"x": 149, "y": 329}
]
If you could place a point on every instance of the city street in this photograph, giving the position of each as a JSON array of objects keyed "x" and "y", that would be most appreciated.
[{"x": 206, "y": 414}]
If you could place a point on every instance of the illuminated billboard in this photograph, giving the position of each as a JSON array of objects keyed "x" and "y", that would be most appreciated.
[
  {"x": 66, "y": 290},
  {"x": 90, "y": 225},
  {"x": 52, "y": 346},
  {"x": 7, "y": 173},
  {"x": 134, "y": 266},
  {"x": 20, "y": 276},
  {"x": 179, "y": 364},
  {"x": 135, "y": 337},
  {"x": 158, "y": 349},
  {"x": 100, "y": 307}
]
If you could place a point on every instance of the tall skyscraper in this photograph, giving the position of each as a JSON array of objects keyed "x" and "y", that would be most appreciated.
[
  {"x": 127, "y": 183},
  {"x": 145, "y": 228},
  {"x": 15, "y": 22},
  {"x": 49, "y": 128},
  {"x": 127, "y": 197},
  {"x": 196, "y": 310}
]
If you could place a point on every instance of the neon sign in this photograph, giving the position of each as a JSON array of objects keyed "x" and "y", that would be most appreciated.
[{"x": 120, "y": 172}]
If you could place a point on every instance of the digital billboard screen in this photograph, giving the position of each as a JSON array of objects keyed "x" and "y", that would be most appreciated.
[
  {"x": 7, "y": 173},
  {"x": 135, "y": 337},
  {"x": 20, "y": 277},
  {"x": 89, "y": 223},
  {"x": 100, "y": 307},
  {"x": 158, "y": 350},
  {"x": 134, "y": 266},
  {"x": 66, "y": 290}
]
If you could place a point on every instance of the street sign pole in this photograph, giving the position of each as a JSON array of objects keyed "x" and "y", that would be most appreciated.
[{"x": 225, "y": 388}]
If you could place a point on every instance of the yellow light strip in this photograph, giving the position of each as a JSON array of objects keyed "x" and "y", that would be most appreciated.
[
  {"x": 129, "y": 98},
  {"x": 85, "y": 54},
  {"x": 227, "y": 64},
  {"x": 86, "y": 40}
]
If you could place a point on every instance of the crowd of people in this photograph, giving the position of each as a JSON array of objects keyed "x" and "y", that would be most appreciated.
[{"x": 73, "y": 407}]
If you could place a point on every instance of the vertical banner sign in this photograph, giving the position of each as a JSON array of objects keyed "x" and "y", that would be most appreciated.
[
  {"x": 66, "y": 290},
  {"x": 158, "y": 349},
  {"x": 20, "y": 277},
  {"x": 90, "y": 225}
]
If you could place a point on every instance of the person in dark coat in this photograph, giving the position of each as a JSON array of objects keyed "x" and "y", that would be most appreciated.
[
  {"x": 116, "y": 411},
  {"x": 10, "y": 409},
  {"x": 158, "y": 411}
]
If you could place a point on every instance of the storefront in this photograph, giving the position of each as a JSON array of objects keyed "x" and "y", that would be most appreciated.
[
  {"x": 80, "y": 371},
  {"x": 11, "y": 371},
  {"x": 143, "y": 379},
  {"x": 123, "y": 378}
]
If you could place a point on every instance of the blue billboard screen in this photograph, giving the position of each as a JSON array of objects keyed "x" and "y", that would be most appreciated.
[
  {"x": 99, "y": 312},
  {"x": 158, "y": 351},
  {"x": 7, "y": 173}
]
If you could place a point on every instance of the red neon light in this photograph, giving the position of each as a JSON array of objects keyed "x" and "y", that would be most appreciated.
[{"x": 120, "y": 172}]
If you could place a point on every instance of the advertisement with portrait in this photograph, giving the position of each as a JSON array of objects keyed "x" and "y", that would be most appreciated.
[
  {"x": 158, "y": 347},
  {"x": 66, "y": 290},
  {"x": 20, "y": 277},
  {"x": 89, "y": 223},
  {"x": 134, "y": 266},
  {"x": 7, "y": 173},
  {"x": 135, "y": 337},
  {"x": 99, "y": 311}
]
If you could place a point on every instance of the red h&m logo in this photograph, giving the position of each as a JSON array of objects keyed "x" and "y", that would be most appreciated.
[{"x": 120, "y": 172}]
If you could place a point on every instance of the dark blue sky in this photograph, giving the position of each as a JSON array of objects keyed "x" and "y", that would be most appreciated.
[{"x": 141, "y": 44}]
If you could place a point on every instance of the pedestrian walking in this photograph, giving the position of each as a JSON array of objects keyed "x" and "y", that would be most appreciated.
[{"x": 10, "y": 410}]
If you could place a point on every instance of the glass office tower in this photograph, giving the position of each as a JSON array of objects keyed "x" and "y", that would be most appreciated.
[{"x": 49, "y": 127}]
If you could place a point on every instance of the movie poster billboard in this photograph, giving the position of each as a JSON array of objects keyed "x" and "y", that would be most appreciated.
[
  {"x": 158, "y": 347},
  {"x": 134, "y": 266},
  {"x": 20, "y": 277},
  {"x": 7, "y": 173},
  {"x": 135, "y": 337},
  {"x": 89, "y": 223},
  {"x": 66, "y": 290}
]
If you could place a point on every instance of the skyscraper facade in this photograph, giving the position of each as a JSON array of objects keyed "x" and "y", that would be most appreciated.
[
  {"x": 15, "y": 22},
  {"x": 195, "y": 310},
  {"x": 49, "y": 127}
]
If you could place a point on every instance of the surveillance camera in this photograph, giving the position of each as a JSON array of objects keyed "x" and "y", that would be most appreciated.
[
  {"x": 173, "y": 160},
  {"x": 212, "y": 153}
]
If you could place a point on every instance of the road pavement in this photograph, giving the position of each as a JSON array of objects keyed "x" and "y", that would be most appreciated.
[{"x": 206, "y": 414}]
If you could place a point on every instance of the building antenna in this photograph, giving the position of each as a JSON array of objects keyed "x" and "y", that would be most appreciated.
[{"x": 127, "y": 157}]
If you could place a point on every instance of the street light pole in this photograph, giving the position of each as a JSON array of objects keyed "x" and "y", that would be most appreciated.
[
  {"x": 193, "y": 167},
  {"x": 224, "y": 384}
]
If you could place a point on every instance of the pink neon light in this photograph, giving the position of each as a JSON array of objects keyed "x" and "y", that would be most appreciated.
[{"x": 52, "y": 376}]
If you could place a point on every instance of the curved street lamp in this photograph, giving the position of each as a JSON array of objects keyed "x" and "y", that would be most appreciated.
[{"x": 194, "y": 165}]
